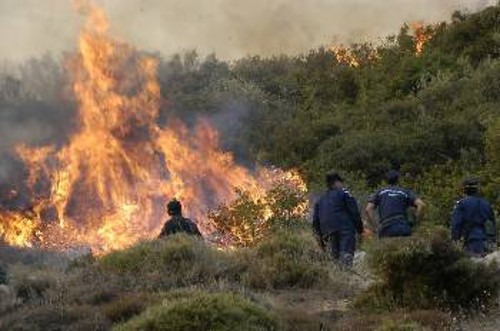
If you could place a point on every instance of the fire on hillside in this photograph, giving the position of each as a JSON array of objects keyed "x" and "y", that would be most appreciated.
[{"x": 107, "y": 187}]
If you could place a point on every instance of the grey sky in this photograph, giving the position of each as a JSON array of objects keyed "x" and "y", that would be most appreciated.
[{"x": 231, "y": 28}]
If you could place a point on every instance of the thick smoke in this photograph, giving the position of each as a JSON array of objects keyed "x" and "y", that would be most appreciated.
[
  {"x": 35, "y": 109},
  {"x": 230, "y": 28}
]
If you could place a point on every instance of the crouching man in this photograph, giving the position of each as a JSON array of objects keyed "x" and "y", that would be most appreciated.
[
  {"x": 336, "y": 220},
  {"x": 177, "y": 223}
]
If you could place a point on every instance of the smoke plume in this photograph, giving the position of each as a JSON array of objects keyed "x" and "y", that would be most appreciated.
[{"x": 230, "y": 28}]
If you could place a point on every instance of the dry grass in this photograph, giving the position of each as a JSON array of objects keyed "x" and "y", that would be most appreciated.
[{"x": 99, "y": 293}]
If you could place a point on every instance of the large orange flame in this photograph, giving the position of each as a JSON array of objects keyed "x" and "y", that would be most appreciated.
[{"x": 108, "y": 185}]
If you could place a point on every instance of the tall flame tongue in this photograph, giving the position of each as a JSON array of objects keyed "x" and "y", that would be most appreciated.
[
  {"x": 109, "y": 184},
  {"x": 421, "y": 36}
]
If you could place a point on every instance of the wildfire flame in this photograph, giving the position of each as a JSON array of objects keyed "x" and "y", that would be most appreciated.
[
  {"x": 421, "y": 36},
  {"x": 344, "y": 55},
  {"x": 108, "y": 186}
]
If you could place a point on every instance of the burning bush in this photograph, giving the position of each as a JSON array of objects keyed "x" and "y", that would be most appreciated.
[
  {"x": 423, "y": 273},
  {"x": 247, "y": 220},
  {"x": 204, "y": 311},
  {"x": 106, "y": 186}
]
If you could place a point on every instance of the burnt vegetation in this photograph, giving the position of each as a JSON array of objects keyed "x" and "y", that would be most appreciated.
[{"x": 435, "y": 116}]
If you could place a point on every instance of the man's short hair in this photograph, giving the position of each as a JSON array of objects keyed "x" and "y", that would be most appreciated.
[
  {"x": 332, "y": 178},
  {"x": 174, "y": 208},
  {"x": 392, "y": 177},
  {"x": 471, "y": 186}
]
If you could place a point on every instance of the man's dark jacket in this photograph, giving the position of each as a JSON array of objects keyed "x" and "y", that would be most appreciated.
[
  {"x": 336, "y": 211},
  {"x": 470, "y": 217},
  {"x": 179, "y": 224}
]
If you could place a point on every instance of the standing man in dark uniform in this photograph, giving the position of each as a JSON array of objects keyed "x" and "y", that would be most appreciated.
[
  {"x": 178, "y": 223},
  {"x": 474, "y": 221},
  {"x": 393, "y": 202},
  {"x": 336, "y": 220}
]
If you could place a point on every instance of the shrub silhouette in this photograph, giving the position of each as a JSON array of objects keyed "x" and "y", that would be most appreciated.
[
  {"x": 204, "y": 311},
  {"x": 424, "y": 273}
]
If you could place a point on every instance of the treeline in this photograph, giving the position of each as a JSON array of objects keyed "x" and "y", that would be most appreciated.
[{"x": 435, "y": 115}]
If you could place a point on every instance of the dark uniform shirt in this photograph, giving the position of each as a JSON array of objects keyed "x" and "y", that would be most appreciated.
[
  {"x": 393, "y": 201},
  {"x": 470, "y": 217},
  {"x": 336, "y": 211},
  {"x": 178, "y": 224}
]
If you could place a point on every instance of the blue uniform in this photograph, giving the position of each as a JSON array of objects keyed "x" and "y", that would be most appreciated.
[
  {"x": 337, "y": 218},
  {"x": 474, "y": 221},
  {"x": 393, "y": 203}
]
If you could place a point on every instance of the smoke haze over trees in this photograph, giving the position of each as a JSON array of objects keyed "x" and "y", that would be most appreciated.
[{"x": 230, "y": 28}]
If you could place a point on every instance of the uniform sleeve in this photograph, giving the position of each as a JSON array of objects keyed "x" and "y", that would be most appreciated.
[
  {"x": 494, "y": 222},
  {"x": 352, "y": 207},
  {"x": 457, "y": 222},
  {"x": 195, "y": 230},
  {"x": 192, "y": 228},
  {"x": 316, "y": 221},
  {"x": 412, "y": 197},
  {"x": 164, "y": 231},
  {"x": 374, "y": 198}
]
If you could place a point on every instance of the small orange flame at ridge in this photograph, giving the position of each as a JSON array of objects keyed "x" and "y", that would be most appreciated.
[
  {"x": 421, "y": 36},
  {"x": 107, "y": 187},
  {"x": 344, "y": 55}
]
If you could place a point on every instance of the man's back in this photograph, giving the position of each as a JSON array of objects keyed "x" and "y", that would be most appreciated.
[
  {"x": 336, "y": 210},
  {"x": 470, "y": 216},
  {"x": 393, "y": 201},
  {"x": 179, "y": 224}
]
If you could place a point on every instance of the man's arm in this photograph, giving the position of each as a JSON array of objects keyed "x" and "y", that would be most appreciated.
[
  {"x": 373, "y": 202},
  {"x": 419, "y": 208},
  {"x": 317, "y": 227},
  {"x": 370, "y": 212},
  {"x": 196, "y": 231},
  {"x": 316, "y": 222},
  {"x": 164, "y": 231},
  {"x": 193, "y": 228},
  {"x": 352, "y": 207},
  {"x": 457, "y": 223},
  {"x": 494, "y": 224}
]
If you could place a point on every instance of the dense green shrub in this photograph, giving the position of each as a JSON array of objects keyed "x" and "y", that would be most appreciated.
[
  {"x": 289, "y": 259},
  {"x": 174, "y": 261},
  {"x": 204, "y": 311},
  {"x": 425, "y": 273},
  {"x": 127, "y": 306},
  {"x": 285, "y": 258},
  {"x": 418, "y": 320},
  {"x": 31, "y": 284},
  {"x": 54, "y": 318}
]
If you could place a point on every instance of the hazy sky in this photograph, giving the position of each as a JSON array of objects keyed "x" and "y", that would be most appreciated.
[{"x": 230, "y": 28}]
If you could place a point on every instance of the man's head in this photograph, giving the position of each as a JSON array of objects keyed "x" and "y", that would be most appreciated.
[
  {"x": 471, "y": 186},
  {"x": 174, "y": 208},
  {"x": 392, "y": 177},
  {"x": 333, "y": 180}
]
